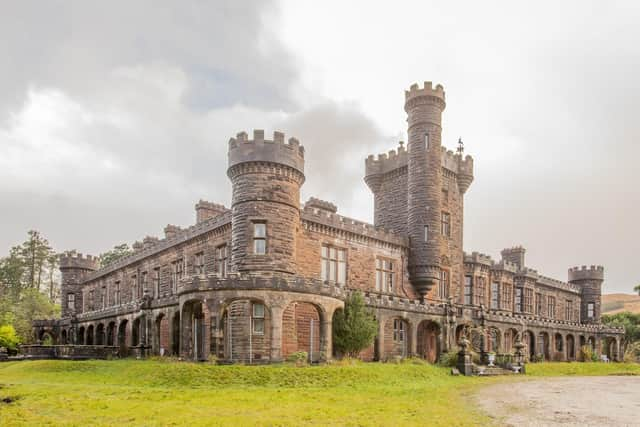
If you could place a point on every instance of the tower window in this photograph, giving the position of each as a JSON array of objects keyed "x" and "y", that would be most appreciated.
[
  {"x": 446, "y": 224},
  {"x": 71, "y": 301},
  {"x": 468, "y": 289},
  {"x": 426, "y": 233},
  {"x": 426, "y": 140},
  {"x": 221, "y": 260},
  {"x": 591, "y": 310},
  {"x": 258, "y": 319},
  {"x": 259, "y": 238},
  {"x": 384, "y": 275},
  {"x": 443, "y": 286}
]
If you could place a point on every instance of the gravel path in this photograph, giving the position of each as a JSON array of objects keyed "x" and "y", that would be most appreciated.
[{"x": 577, "y": 401}]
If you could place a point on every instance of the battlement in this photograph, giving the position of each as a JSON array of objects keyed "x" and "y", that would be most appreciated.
[
  {"x": 505, "y": 266},
  {"x": 594, "y": 272},
  {"x": 478, "y": 258},
  {"x": 88, "y": 262},
  {"x": 386, "y": 162},
  {"x": 514, "y": 255},
  {"x": 149, "y": 241},
  {"x": 314, "y": 203},
  {"x": 171, "y": 231},
  {"x": 416, "y": 91},
  {"x": 258, "y": 149},
  {"x": 206, "y": 210}
]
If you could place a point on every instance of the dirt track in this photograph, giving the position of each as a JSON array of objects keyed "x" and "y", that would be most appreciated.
[{"x": 578, "y": 401}]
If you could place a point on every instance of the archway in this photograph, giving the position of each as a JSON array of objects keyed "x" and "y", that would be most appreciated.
[
  {"x": 493, "y": 340},
  {"x": 63, "y": 337},
  {"x": 161, "y": 340},
  {"x": 111, "y": 332},
  {"x": 396, "y": 338},
  {"x": 175, "y": 334},
  {"x": 510, "y": 336},
  {"x": 301, "y": 330},
  {"x": 428, "y": 345},
  {"x": 89, "y": 339},
  {"x": 46, "y": 337},
  {"x": 609, "y": 347},
  {"x": 543, "y": 346},
  {"x": 529, "y": 340},
  {"x": 100, "y": 334},
  {"x": 558, "y": 347},
  {"x": 591, "y": 342},
  {"x": 122, "y": 337},
  {"x": 246, "y": 331},
  {"x": 571, "y": 347},
  {"x": 135, "y": 332},
  {"x": 195, "y": 326},
  {"x": 81, "y": 333}
]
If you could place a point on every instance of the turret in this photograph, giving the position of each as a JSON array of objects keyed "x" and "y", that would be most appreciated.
[
  {"x": 424, "y": 107},
  {"x": 589, "y": 279},
  {"x": 266, "y": 176},
  {"x": 74, "y": 268},
  {"x": 514, "y": 255}
]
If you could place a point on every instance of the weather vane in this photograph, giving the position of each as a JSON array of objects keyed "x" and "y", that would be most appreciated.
[{"x": 460, "y": 146}]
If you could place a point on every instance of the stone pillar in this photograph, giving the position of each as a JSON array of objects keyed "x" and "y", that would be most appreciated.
[
  {"x": 276, "y": 333},
  {"x": 327, "y": 340},
  {"x": 413, "y": 341},
  {"x": 381, "y": 352}
]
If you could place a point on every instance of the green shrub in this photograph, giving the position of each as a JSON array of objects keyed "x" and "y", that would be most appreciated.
[
  {"x": 450, "y": 359},
  {"x": 632, "y": 354},
  {"x": 8, "y": 337},
  {"x": 588, "y": 355},
  {"x": 299, "y": 357},
  {"x": 355, "y": 327}
]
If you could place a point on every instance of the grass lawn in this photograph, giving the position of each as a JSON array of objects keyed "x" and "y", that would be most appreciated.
[{"x": 151, "y": 392}]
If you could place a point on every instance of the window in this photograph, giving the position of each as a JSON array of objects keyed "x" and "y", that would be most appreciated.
[
  {"x": 468, "y": 289},
  {"x": 398, "y": 330},
  {"x": 551, "y": 307},
  {"x": 445, "y": 195},
  {"x": 134, "y": 287},
  {"x": 505, "y": 297},
  {"x": 258, "y": 319},
  {"x": 116, "y": 298},
  {"x": 591, "y": 310},
  {"x": 143, "y": 286},
  {"x": 426, "y": 233},
  {"x": 221, "y": 260},
  {"x": 259, "y": 238},
  {"x": 495, "y": 295},
  {"x": 443, "y": 286},
  {"x": 528, "y": 300},
  {"x": 568, "y": 310},
  {"x": 538, "y": 304},
  {"x": 103, "y": 298},
  {"x": 479, "y": 293},
  {"x": 199, "y": 263},
  {"x": 384, "y": 275},
  {"x": 91, "y": 299},
  {"x": 426, "y": 141},
  {"x": 519, "y": 300},
  {"x": 156, "y": 281},
  {"x": 71, "y": 301},
  {"x": 446, "y": 224},
  {"x": 334, "y": 264}
]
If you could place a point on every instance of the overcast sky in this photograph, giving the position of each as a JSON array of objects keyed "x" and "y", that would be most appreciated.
[{"x": 115, "y": 116}]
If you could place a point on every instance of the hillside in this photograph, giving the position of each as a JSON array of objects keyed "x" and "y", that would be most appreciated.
[{"x": 617, "y": 303}]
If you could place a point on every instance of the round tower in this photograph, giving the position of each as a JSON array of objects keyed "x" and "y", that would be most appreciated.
[
  {"x": 74, "y": 268},
  {"x": 266, "y": 177},
  {"x": 589, "y": 279},
  {"x": 424, "y": 107}
]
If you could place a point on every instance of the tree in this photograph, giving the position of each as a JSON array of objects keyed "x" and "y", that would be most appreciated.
[
  {"x": 631, "y": 323},
  {"x": 114, "y": 254},
  {"x": 355, "y": 327},
  {"x": 8, "y": 337},
  {"x": 35, "y": 254},
  {"x": 637, "y": 289}
]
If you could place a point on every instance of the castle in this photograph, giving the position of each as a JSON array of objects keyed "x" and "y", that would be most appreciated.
[{"x": 262, "y": 280}]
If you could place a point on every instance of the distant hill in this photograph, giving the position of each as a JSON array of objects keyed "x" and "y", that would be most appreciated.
[{"x": 617, "y": 303}]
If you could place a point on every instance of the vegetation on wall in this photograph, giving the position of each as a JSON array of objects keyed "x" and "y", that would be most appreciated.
[
  {"x": 630, "y": 322},
  {"x": 111, "y": 256},
  {"x": 355, "y": 327}
]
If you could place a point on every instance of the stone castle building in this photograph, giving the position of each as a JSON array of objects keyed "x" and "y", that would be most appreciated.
[{"x": 262, "y": 279}]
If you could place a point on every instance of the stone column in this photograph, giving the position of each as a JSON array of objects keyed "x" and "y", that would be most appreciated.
[
  {"x": 381, "y": 352},
  {"x": 327, "y": 340},
  {"x": 413, "y": 342},
  {"x": 276, "y": 333}
]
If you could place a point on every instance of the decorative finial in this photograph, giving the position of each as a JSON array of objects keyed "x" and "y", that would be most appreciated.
[
  {"x": 460, "y": 146},
  {"x": 401, "y": 144}
]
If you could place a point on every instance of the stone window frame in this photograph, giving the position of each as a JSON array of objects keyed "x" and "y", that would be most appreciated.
[
  {"x": 326, "y": 261},
  {"x": 551, "y": 307},
  {"x": 144, "y": 282},
  {"x": 157, "y": 275},
  {"x": 479, "y": 290},
  {"x": 494, "y": 292},
  {"x": 399, "y": 332},
  {"x": 518, "y": 297},
  {"x": 71, "y": 301},
  {"x": 90, "y": 300},
  {"x": 468, "y": 286},
  {"x": 222, "y": 260},
  {"x": 117, "y": 299},
  {"x": 257, "y": 318},
  {"x": 591, "y": 310},
  {"x": 103, "y": 297},
  {"x": 444, "y": 285},
  {"x": 134, "y": 287},
  {"x": 199, "y": 265},
  {"x": 539, "y": 303},
  {"x": 257, "y": 237},
  {"x": 527, "y": 300},
  {"x": 445, "y": 224},
  {"x": 385, "y": 274},
  {"x": 506, "y": 296},
  {"x": 568, "y": 310}
]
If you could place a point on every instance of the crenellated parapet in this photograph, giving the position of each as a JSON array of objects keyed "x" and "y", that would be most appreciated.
[
  {"x": 461, "y": 167},
  {"x": 258, "y": 149},
  {"x": 323, "y": 205},
  {"x": 79, "y": 261},
  {"x": 425, "y": 94},
  {"x": 594, "y": 272},
  {"x": 478, "y": 258},
  {"x": 385, "y": 163},
  {"x": 206, "y": 210}
]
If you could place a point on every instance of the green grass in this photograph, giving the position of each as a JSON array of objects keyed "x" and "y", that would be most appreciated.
[{"x": 149, "y": 393}]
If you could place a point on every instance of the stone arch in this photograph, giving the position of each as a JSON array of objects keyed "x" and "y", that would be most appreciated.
[
  {"x": 571, "y": 347},
  {"x": 529, "y": 341},
  {"x": 81, "y": 335},
  {"x": 90, "y": 335},
  {"x": 63, "y": 337},
  {"x": 509, "y": 340},
  {"x": 460, "y": 331},
  {"x": 122, "y": 336},
  {"x": 46, "y": 337},
  {"x": 175, "y": 334},
  {"x": 609, "y": 347},
  {"x": 558, "y": 347},
  {"x": 246, "y": 330},
  {"x": 111, "y": 333},
  {"x": 195, "y": 327},
  {"x": 136, "y": 331},
  {"x": 493, "y": 339},
  {"x": 544, "y": 349},
  {"x": 428, "y": 340},
  {"x": 161, "y": 338},
  {"x": 397, "y": 335},
  {"x": 591, "y": 342},
  {"x": 99, "y": 339},
  {"x": 301, "y": 330}
]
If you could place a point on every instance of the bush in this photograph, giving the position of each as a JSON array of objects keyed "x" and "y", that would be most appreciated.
[
  {"x": 450, "y": 359},
  {"x": 299, "y": 358},
  {"x": 588, "y": 355},
  {"x": 632, "y": 354},
  {"x": 355, "y": 327},
  {"x": 8, "y": 338}
]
